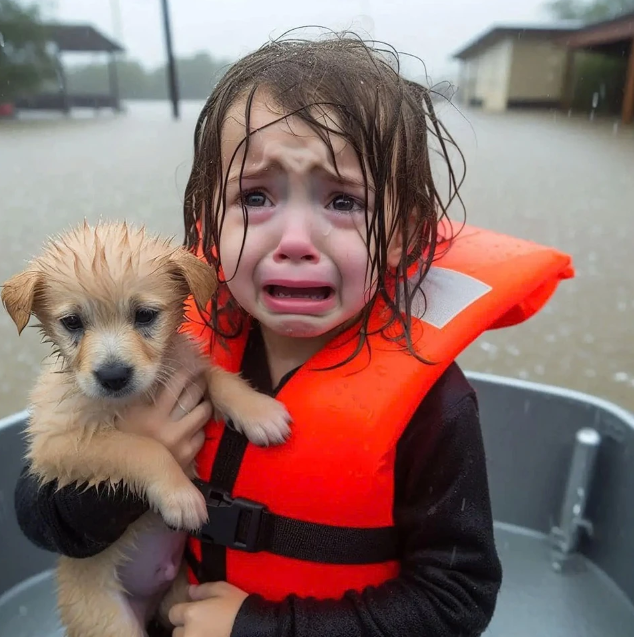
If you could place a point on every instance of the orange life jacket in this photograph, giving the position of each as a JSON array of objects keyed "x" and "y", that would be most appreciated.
[{"x": 313, "y": 517}]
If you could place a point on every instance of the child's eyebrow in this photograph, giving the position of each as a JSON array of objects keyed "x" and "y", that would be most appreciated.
[
  {"x": 257, "y": 172},
  {"x": 270, "y": 169}
]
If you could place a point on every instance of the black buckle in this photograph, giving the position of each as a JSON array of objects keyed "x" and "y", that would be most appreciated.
[{"x": 230, "y": 518}]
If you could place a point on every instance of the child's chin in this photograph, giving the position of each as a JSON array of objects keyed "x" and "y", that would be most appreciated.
[{"x": 302, "y": 327}]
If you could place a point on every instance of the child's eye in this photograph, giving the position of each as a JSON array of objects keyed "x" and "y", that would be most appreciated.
[
  {"x": 255, "y": 199},
  {"x": 344, "y": 203}
]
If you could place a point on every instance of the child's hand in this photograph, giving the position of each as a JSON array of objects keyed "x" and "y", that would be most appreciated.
[
  {"x": 211, "y": 613},
  {"x": 176, "y": 419}
]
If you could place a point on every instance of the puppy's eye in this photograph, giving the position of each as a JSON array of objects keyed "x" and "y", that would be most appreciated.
[
  {"x": 145, "y": 317},
  {"x": 72, "y": 323}
]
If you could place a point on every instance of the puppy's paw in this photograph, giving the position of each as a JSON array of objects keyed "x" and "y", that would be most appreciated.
[
  {"x": 181, "y": 508},
  {"x": 263, "y": 420}
]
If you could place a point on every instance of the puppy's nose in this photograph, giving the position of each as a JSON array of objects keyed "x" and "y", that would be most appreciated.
[{"x": 114, "y": 376}]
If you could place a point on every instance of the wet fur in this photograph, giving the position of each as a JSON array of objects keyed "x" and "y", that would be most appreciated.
[{"x": 103, "y": 274}]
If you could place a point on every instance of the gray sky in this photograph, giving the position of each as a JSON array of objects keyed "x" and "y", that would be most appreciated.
[{"x": 430, "y": 29}]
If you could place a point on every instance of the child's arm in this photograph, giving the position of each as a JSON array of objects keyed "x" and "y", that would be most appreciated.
[
  {"x": 450, "y": 573},
  {"x": 80, "y": 522},
  {"x": 73, "y": 522}
]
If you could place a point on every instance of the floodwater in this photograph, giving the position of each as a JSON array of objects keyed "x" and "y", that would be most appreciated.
[{"x": 545, "y": 177}]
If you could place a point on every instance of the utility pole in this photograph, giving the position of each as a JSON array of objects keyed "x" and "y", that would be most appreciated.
[
  {"x": 115, "y": 10},
  {"x": 171, "y": 65},
  {"x": 113, "y": 74}
]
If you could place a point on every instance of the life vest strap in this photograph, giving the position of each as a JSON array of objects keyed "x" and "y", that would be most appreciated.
[{"x": 245, "y": 525}]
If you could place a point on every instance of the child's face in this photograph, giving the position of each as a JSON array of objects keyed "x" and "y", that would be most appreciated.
[{"x": 304, "y": 269}]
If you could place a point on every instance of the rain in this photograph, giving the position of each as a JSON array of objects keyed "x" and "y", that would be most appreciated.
[{"x": 559, "y": 462}]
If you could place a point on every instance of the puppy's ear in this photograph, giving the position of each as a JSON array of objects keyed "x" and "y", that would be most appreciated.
[
  {"x": 199, "y": 276},
  {"x": 18, "y": 296}
]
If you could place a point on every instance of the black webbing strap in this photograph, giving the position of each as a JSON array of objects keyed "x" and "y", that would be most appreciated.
[
  {"x": 245, "y": 525},
  {"x": 326, "y": 544},
  {"x": 224, "y": 474}
]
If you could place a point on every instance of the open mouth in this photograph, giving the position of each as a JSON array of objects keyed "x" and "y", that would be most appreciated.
[
  {"x": 313, "y": 300},
  {"x": 304, "y": 293}
]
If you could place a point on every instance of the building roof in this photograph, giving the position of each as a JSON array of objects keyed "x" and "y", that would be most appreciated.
[
  {"x": 624, "y": 17},
  {"x": 81, "y": 38},
  {"x": 605, "y": 32},
  {"x": 497, "y": 33}
]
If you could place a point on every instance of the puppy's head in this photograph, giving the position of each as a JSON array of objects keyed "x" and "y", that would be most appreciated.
[{"x": 110, "y": 299}]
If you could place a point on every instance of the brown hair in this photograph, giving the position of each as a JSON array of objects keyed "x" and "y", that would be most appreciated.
[{"x": 387, "y": 119}]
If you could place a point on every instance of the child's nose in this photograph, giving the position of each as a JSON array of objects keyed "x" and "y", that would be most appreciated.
[{"x": 296, "y": 243}]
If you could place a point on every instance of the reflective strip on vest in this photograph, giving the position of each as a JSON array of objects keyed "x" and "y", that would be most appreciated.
[{"x": 444, "y": 294}]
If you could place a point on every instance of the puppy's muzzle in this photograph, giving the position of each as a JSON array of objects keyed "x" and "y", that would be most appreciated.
[{"x": 114, "y": 377}]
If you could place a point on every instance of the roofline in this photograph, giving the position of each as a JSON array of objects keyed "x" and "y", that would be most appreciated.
[
  {"x": 497, "y": 32},
  {"x": 112, "y": 45},
  {"x": 570, "y": 28},
  {"x": 605, "y": 32},
  {"x": 602, "y": 23}
]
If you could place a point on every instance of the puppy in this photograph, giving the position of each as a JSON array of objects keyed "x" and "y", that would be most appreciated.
[{"x": 111, "y": 301}]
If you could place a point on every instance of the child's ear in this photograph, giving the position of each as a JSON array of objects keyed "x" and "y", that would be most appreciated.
[
  {"x": 395, "y": 250},
  {"x": 396, "y": 246},
  {"x": 18, "y": 296},
  {"x": 199, "y": 276}
]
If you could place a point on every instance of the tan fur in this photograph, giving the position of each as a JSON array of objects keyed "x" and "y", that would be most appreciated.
[
  {"x": 104, "y": 274},
  {"x": 18, "y": 296}
]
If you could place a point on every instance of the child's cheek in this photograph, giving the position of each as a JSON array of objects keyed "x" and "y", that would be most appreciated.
[
  {"x": 230, "y": 247},
  {"x": 357, "y": 275}
]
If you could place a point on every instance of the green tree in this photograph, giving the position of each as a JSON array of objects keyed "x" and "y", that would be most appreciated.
[
  {"x": 25, "y": 60},
  {"x": 198, "y": 74},
  {"x": 588, "y": 10},
  {"x": 93, "y": 79},
  {"x": 196, "y": 78}
]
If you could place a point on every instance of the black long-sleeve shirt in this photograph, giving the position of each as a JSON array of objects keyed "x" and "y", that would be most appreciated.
[{"x": 450, "y": 572}]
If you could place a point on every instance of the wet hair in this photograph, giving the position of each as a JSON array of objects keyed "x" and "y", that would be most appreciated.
[{"x": 388, "y": 120}]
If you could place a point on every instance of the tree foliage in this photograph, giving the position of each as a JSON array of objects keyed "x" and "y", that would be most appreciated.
[
  {"x": 589, "y": 10},
  {"x": 196, "y": 77},
  {"x": 25, "y": 60}
]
